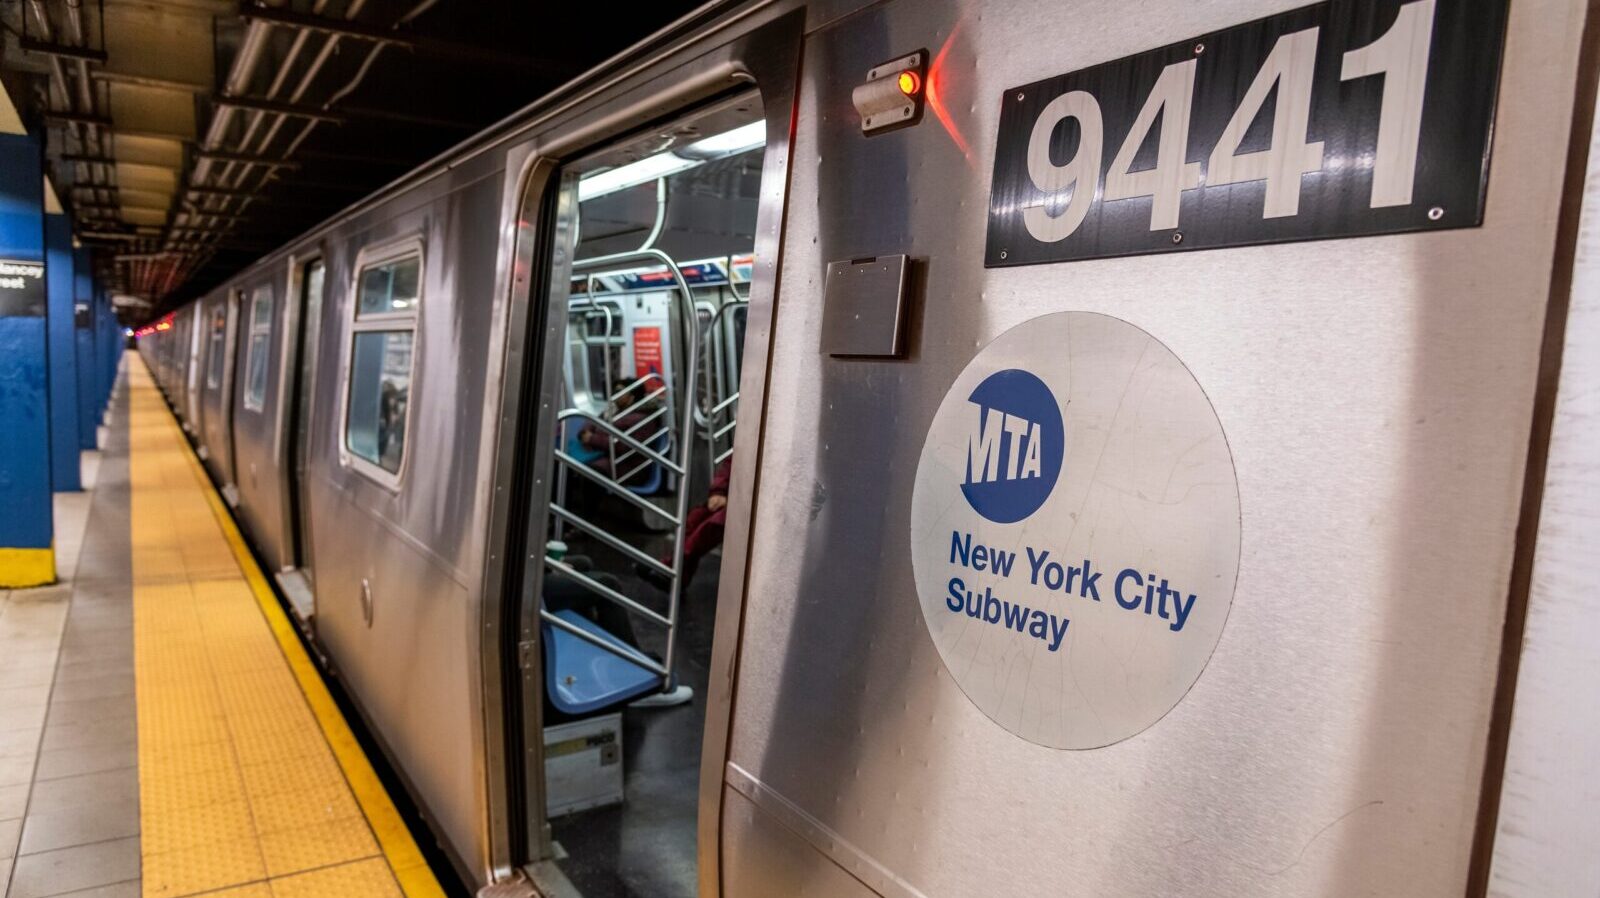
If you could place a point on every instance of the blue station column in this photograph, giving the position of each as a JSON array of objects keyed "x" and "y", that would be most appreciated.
[
  {"x": 64, "y": 468},
  {"x": 83, "y": 327},
  {"x": 27, "y": 553}
]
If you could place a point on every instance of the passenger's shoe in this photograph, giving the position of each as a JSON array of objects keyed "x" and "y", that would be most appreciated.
[
  {"x": 678, "y": 695},
  {"x": 652, "y": 576}
]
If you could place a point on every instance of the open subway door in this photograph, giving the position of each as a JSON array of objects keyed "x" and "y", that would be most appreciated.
[{"x": 642, "y": 284}]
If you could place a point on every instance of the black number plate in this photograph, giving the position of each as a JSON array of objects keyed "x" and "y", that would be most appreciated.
[
  {"x": 1344, "y": 118},
  {"x": 22, "y": 290}
]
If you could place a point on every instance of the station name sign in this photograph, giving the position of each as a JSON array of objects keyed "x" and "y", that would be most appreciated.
[
  {"x": 22, "y": 292},
  {"x": 1344, "y": 118}
]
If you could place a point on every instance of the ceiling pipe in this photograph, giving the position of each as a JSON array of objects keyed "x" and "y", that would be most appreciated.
[
  {"x": 80, "y": 37},
  {"x": 238, "y": 85},
  {"x": 239, "y": 74},
  {"x": 329, "y": 47},
  {"x": 61, "y": 89}
]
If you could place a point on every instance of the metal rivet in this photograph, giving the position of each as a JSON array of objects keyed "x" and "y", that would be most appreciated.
[
  {"x": 1177, "y": 237},
  {"x": 1436, "y": 213},
  {"x": 1019, "y": 94},
  {"x": 1199, "y": 48},
  {"x": 1002, "y": 254}
]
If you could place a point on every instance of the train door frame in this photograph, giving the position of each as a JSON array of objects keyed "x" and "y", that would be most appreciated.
[
  {"x": 301, "y": 366},
  {"x": 193, "y": 375},
  {"x": 232, "y": 303},
  {"x": 741, "y": 50}
]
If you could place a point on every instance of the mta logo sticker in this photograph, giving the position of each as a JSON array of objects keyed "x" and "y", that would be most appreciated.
[{"x": 1014, "y": 446}]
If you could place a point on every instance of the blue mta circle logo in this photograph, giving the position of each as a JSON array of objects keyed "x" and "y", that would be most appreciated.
[{"x": 1014, "y": 446}]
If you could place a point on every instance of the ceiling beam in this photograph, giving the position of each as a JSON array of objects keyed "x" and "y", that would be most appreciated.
[
  {"x": 47, "y": 48},
  {"x": 106, "y": 235},
  {"x": 219, "y": 191},
  {"x": 132, "y": 80},
  {"x": 283, "y": 207},
  {"x": 297, "y": 110},
  {"x": 120, "y": 207},
  {"x": 88, "y": 160},
  {"x": 470, "y": 54},
  {"x": 246, "y": 159},
  {"x": 308, "y": 22},
  {"x": 80, "y": 118},
  {"x": 173, "y": 136},
  {"x": 201, "y": 213}
]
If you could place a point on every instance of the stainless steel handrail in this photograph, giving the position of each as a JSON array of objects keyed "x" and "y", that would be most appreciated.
[
  {"x": 645, "y": 379},
  {"x": 618, "y": 433},
  {"x": 617, "y": 489},
  {"x": 735, "y": 290},
  {"x": 625, "y": 651},
  {"x": 714, "y": 359},
  {"x": 587, "y": 307},
  {"x": 604, "y": 536},
  {"x": 682, "y": 447}
]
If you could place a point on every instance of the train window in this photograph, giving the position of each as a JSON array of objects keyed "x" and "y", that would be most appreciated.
[
  {"x": 219, "y": 330},
  {"x": 391, "y": 287},
  {"x": 382, "y": 347},
  {"x": 258, "y": 349}
]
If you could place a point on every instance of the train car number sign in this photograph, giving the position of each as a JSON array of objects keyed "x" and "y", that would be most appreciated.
[{"x": 1345, "y": 118}]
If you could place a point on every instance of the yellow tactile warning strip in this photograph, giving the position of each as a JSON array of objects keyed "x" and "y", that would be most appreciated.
[{"x": 251, "y": 783}]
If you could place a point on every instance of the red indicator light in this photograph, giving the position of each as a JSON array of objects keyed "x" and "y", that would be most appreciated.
[{"x": 909, "y": 83}]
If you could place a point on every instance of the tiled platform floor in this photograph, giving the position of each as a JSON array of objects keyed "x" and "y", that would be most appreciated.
[{"x": 161, "y": 731}]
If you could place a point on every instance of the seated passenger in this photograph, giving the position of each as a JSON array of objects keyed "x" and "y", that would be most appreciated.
[
  {"x": 702, "y": 531},
  {"x": 596, "y": 441}
]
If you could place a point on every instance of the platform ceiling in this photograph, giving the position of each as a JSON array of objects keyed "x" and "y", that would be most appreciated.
[{"x": 189, "y": 137}]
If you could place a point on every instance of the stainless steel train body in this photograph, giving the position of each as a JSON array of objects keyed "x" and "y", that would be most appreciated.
[{"x": 1389, "y": 402}]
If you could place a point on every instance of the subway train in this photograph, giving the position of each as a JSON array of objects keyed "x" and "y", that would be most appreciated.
[{"x": 931, "y": 447}]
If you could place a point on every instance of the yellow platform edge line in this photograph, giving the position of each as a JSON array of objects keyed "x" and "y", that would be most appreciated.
[
  {"x": 405, "y": 860},
  {"x": 22, "y": 568}
]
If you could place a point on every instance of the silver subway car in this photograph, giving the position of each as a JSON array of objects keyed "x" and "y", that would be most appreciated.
[{"x": 1134, "y": 450}]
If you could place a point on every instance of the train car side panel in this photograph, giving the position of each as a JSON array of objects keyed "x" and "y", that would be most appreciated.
[
  {"x": 397, "y": 550},
  {"x": 1375, "y": 393}
]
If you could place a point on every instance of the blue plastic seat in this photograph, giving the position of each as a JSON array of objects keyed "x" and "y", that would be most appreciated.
[
  {"x": 654, "y": 477},
  {"x": 582, "y": 678}
]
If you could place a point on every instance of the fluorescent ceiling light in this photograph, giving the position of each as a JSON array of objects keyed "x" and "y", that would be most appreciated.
[
  {"x": 661, "y": 165},
  {"x": 634, "y": 173},
  {"x": 729, "y": 143}
]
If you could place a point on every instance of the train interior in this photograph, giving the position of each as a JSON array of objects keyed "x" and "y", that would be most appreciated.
[{"x": 653, "y": 334}]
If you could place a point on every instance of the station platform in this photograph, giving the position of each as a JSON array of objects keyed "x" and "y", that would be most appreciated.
[{"x": 162, "y": 730}]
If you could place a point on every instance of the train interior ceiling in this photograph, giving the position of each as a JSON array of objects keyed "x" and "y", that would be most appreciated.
[{"x": 644, "y": 441}]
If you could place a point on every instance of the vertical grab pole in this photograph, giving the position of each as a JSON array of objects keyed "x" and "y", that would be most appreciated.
[{"x": 690, "y": 322}]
